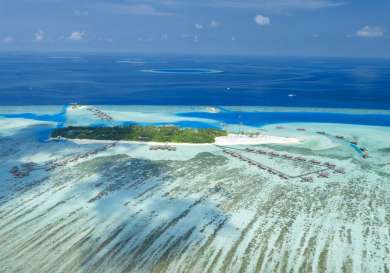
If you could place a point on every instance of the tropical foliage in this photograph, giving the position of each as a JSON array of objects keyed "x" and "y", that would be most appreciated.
[{"x": 141, "y": 133}]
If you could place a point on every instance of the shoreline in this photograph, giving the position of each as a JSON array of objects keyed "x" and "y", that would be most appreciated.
[{"x": 230, "y": 140}]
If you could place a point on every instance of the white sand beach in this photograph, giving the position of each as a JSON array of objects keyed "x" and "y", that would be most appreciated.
[
  {"x": 229, "y": 140},
  {"x": 235, "y": 139}
]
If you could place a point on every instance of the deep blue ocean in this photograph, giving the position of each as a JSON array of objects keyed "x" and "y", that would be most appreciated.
[{"x": 38, "y": 79}]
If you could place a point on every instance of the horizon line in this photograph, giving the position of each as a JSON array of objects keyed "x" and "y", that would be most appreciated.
[{"x": 211, "y": 54}]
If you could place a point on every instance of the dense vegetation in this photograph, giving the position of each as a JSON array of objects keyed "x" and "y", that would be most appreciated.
[{"x": 141, "y": 133}]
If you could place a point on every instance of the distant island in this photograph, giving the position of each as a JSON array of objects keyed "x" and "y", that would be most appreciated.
[{"x": 171, "y": 134}]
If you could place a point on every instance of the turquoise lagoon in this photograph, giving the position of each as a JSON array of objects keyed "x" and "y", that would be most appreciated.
[{"x": 125, "y": 208}]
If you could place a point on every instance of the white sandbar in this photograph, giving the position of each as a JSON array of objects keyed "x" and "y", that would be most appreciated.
[
  {"x": 233, "y": 139},
  {"x": 230, "y": 139}
]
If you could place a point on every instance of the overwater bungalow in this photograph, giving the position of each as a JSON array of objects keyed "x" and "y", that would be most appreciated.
[
  {"x": 316, "y": 162},
  {"x": 329, "y": 165},
  {"x": 307, "y": 179},
  {"x": 323, "y": 175},
  {"x": 340, "y": 170},
  {"x": 273, "y": 154},
  {"x": 161, "y": 147}
]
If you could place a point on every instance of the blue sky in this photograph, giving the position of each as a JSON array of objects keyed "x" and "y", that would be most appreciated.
[{"x": 263, "y": 27}]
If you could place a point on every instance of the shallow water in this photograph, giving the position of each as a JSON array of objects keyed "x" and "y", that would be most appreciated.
[
  {"x": 269, "y": 117},
  {"x": 197, "y": 210}
]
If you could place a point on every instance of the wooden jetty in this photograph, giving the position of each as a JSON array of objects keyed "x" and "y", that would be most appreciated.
[
  {"x": 63, "y": 162},
  {"x": 290, "y": 157},
  {"x": 340, "y": 137},
  {"x": 100, "y": 114},
  {"x": 306, "y": 177},
  {"x": 257, "y": 164}
]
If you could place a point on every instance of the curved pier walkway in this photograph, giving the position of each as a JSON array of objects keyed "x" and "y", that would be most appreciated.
[{"x": 322, "y": 173}]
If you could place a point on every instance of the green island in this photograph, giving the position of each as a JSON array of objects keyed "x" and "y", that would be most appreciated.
[{"x": 141, "y": 133}]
